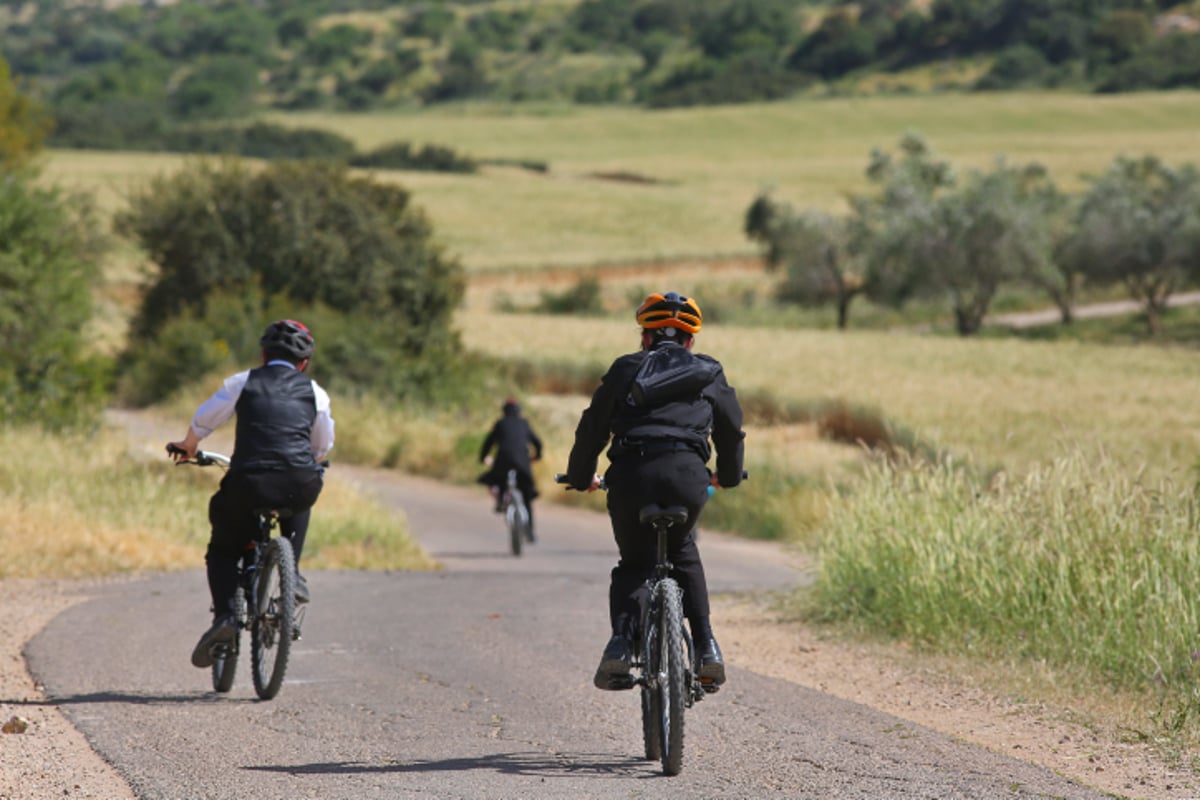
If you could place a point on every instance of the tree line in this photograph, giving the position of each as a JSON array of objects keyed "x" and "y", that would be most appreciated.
[
  {"x": 929, "y": 231},
  {"x": 132, "y": 72}
]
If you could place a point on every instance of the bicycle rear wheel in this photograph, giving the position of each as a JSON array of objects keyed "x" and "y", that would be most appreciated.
[
  {"x": 671, "y": 686},
  {"x": 651, "y": 701},
  {"x": 273, "y": 617},
  {"x": 224, "y": 666}
]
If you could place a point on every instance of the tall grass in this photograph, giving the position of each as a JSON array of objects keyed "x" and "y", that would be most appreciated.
[
  {"x": 88, "y": 506},
  {"x": 1080, "y": 563}
]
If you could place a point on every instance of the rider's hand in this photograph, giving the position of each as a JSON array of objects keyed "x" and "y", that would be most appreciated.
[
  {"x": 715, "y": 482},
  {"x": 185, "y": 449},
  {"x": 487, "y": 461},
  {"x": 595, "y": 484}
]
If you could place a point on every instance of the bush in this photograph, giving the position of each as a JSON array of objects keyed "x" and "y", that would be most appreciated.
[
  {"x": 47, "y": 271},
  {"x": 295, "y": 237},
  {"x": 261, "y": 140},
  {"x": 402, "y": 155}
]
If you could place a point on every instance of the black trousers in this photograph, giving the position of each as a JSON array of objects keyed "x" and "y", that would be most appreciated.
[
  {"x": 669, "y": 479},
  {"x": 233, "y": 514},
  {"x": 497, "y": 477}
]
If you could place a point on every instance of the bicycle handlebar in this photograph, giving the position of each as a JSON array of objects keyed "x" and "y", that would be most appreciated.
[{"x": 203, "y": 458}]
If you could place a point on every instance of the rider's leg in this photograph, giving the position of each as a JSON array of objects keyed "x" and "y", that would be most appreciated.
[{"x": 232, "y": 527}]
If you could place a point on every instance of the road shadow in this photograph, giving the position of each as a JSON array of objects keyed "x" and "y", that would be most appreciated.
[
  {"x": 131, "y": 698},
  {"x": 542, "y": 765}
]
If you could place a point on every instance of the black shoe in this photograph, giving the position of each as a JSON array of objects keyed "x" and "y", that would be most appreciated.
[
  {"x": 712, "y": 664},
  {"x": 302, "y": 595},
  {"x": 614, "y": 664},
  {"x": 222, "y": 632}
]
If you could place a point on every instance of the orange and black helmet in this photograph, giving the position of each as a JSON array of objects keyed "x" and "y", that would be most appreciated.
[{"x": 670, "y": 310}]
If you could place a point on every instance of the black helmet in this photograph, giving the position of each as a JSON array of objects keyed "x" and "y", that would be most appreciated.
[
  {"x": 287, "y": 338},
  {"x": 511, "y": 406}
]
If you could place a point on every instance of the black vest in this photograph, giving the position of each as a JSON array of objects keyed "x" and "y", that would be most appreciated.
[{"x": 275, "y": 414}]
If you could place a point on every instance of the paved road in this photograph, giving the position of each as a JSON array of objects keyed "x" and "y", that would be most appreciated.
[{"x": 473, "y": 682}]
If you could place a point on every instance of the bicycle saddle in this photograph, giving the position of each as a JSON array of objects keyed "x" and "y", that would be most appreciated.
[{"x": 672, "y": 515}]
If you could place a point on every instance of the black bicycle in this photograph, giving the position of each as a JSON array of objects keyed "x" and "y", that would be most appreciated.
[
  {"x": 265, "y": 603},
  {"x": 665, "y": 663},
  {"x": 516, "y": 514}
]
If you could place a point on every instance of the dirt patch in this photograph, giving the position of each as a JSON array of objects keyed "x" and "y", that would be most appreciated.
[{"x": 50, "y": 758}]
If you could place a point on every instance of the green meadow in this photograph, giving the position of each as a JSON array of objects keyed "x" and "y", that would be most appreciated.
[{"x": 702, "y": 167}]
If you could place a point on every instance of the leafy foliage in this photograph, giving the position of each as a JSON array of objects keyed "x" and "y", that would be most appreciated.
[
  {"x": 350, "y": 252},
  {"x": 23, "y": 123},
  {"x": 1139, "y": 225},
  {"x": 47, "y": 271}
]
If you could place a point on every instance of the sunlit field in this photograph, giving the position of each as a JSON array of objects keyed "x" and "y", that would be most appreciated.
[
  {"x": 988, "y": 402},
  {"x": 706, "y": 164}
]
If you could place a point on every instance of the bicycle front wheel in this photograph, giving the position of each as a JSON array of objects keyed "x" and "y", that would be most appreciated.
[
  {"x": 273, "y": 620},
  {"x": 671, "y": 675}
]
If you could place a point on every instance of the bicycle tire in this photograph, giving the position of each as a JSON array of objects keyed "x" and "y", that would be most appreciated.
[
  {"x": 651, "y": 702},
  {"x": 671, "y": 688},
  {"x": 273, "y": 618},
  {"x": 512, "y": 517},
  {"x": 224, "y": 667}
]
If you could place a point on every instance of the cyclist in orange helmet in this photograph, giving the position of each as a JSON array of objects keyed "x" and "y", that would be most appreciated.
[{"x": 659, "y": 407}]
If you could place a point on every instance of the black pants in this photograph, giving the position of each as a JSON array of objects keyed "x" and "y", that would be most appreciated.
[
  {"x": 497, "y": 477},
  {"x": 233, "y": 514},
  {"x": 670, "y": 479}
]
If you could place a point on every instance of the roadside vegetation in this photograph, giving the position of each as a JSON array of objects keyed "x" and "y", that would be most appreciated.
[{"x": 986, "y": 495}]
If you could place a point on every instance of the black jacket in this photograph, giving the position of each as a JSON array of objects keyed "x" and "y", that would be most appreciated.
[
  {"x": 692, "y": 419},
  {"x": 512, "y": 437}
]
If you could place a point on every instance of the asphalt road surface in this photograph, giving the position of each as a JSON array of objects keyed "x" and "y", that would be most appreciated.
[{"x": 474, "y": 682}]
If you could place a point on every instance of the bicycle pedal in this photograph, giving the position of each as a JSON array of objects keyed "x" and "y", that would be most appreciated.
[
  {"x": 708, "y": 686},
  {"x": 621, "y": 682}
]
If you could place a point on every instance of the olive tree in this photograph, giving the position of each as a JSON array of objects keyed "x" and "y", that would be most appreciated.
[
  {"x": 813, "y": 248},
  {"x": 928, "y": 233},
  {"x": 1139, "y": 225}
]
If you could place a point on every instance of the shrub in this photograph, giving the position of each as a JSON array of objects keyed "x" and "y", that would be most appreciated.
[
  {"x": 47, "y": 270},
  {"x": 294, "y": 237}
]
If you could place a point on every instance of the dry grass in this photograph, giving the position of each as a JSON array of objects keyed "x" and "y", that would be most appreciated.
[
  {"x": 97, "y": 505},
  {"x": 998, "y": 402},
  {"x": 709, "y": 163}
]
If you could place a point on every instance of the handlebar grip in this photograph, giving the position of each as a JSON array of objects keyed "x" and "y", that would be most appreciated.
[
  {"x": 560, "y": 477},
  {"x": 173, "y": 450}
]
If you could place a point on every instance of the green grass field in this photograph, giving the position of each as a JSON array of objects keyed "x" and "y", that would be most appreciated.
[{"x": 709, "y": 163}]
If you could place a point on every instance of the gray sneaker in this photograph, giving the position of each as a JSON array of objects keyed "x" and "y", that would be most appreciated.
[
  {"x": 222, "y": 632},
  {"x": 302, "y": 595}
]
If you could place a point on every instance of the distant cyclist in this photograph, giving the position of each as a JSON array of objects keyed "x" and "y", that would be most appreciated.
[
  {"x": 660, "y": 406},
  {"x": 284, "y": 430},
  {"x": 516, "y": 446}
]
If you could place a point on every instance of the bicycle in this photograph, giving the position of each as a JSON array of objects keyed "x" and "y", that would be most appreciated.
[
  {"x": 665, "y": 662},
  {"x": 265, "y": 603},
  {"x": 516, "y": 514}
]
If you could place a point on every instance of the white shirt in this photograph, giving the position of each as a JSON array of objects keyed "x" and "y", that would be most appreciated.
[{"x": 220, "y": 408}]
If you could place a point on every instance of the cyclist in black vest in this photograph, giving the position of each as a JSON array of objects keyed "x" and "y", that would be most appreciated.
[
  {"x": 660, "y": 406},
  {"x": 284, "y": 431},
  {"x": 512, "y": 437}
]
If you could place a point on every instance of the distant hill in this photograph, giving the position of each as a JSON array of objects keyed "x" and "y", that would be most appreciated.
[{"x": 124, "y": 74}]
